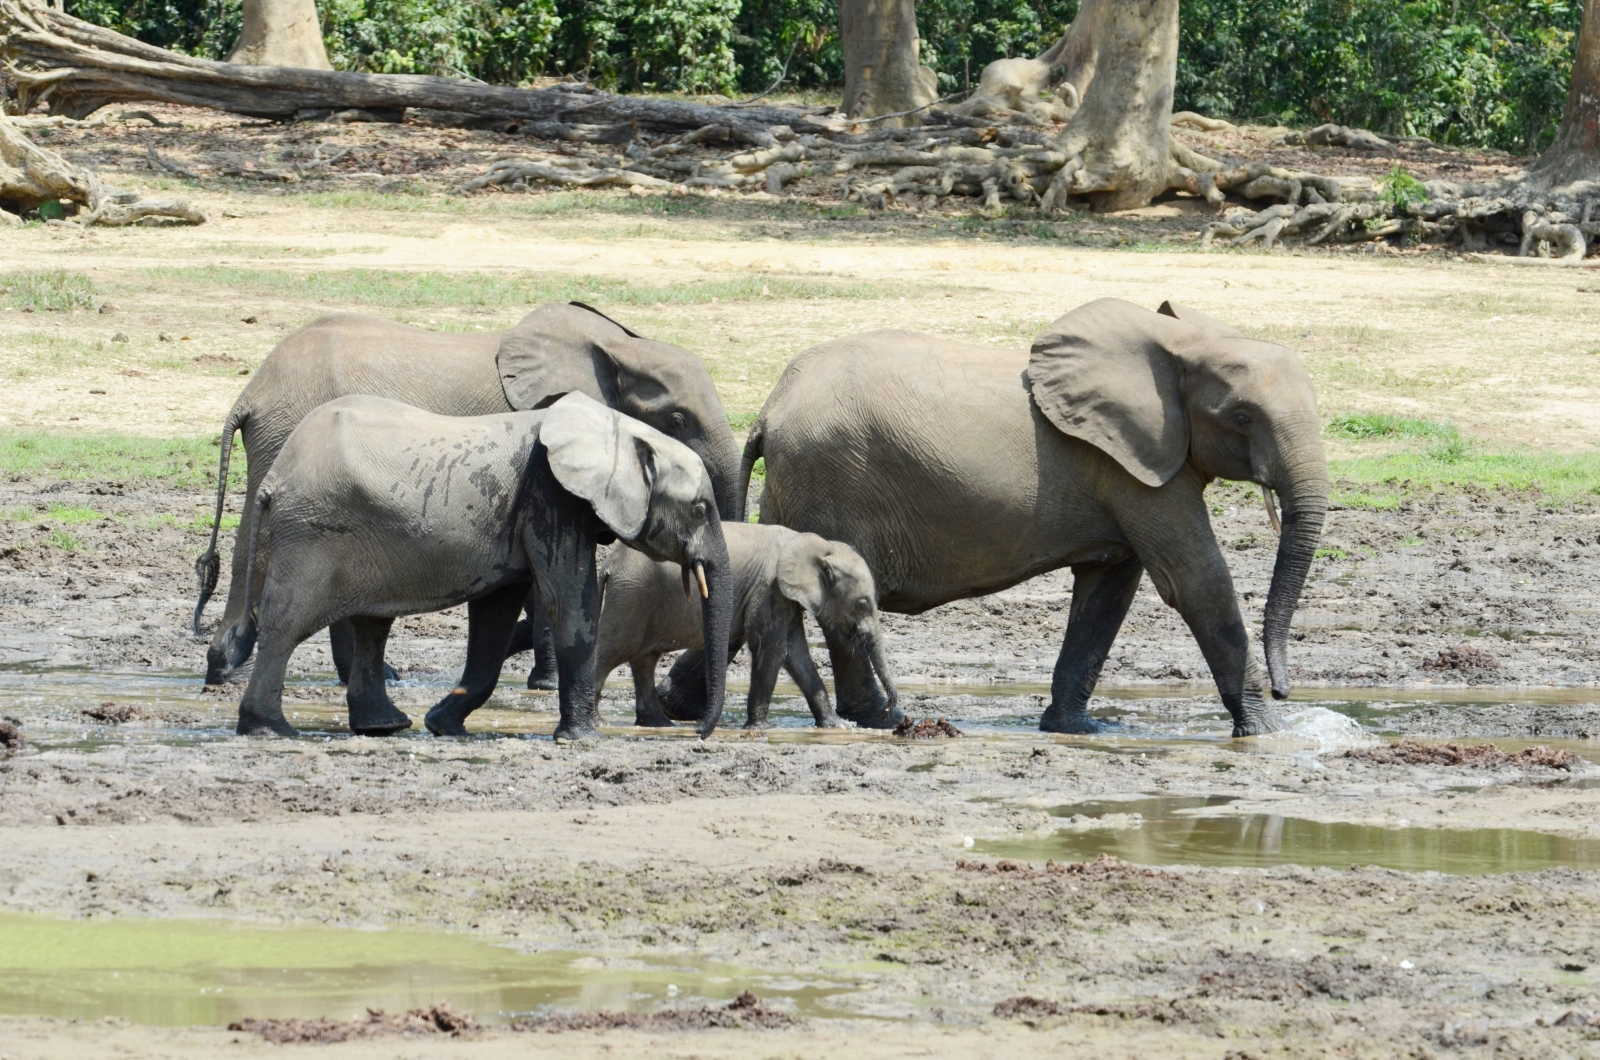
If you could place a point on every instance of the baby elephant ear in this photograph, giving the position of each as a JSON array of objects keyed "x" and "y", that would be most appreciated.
[
  {"x": 1209, "y": 325},
  {"x": 803, "y": 570},
  {"x": 595, "y": 456},
  {"x": 1106, "y": 374}
]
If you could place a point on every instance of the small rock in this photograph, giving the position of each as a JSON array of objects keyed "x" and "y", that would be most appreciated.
[
  {"x": 96, "y": 390},
  {"x": 249, "y": 320},
  {"x": 119, "y": 337},
  {"x": 163, "y": 337},
  {"x": 107, "y": 307}
]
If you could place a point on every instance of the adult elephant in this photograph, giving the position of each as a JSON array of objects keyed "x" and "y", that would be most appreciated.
[
  {"x": 959, "y": 470},
  {"x": 556, "y": 349}
]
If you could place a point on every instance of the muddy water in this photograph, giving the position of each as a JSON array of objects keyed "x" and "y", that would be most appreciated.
[
  {"x": 189, "y": 972},
  {"x": 1181, "y": 831}
]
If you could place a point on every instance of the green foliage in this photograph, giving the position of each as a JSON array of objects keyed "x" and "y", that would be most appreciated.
[
  {"x": 46, "y": 289},
  {"x": 1385, "y": 425},
  {"x": 1401, "y": 190},
  {"x": 499, "y": 43},
  {"x": 1555, "y": 475},
  {"x": 1490, "y": 72}
]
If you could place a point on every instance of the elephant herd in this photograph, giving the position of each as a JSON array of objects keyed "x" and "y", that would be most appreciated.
[{"x": 394, "y": 471}]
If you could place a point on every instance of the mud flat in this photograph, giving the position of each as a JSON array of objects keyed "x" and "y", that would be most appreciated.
[{"x": 1154, "y": 890}]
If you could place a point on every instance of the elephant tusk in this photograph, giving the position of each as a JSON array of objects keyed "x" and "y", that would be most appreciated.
[
  {"x": 1272, "y": 510},
  {"x": 700, "y": 572}
]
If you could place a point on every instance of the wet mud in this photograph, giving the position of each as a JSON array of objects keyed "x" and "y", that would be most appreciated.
[{"x": 1151, "y": 887}]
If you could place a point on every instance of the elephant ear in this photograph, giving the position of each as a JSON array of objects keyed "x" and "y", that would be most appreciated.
[
  {"x": 803, "y": 570},
  {"x": 1106, "y": 374},
  {"x": 557, "y": 349},
  {"x": 617, "y": 464},
  {"x": 1210, "y": 325}
]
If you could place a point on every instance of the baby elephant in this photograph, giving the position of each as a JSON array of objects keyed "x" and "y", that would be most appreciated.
[{"x": 646, "y": 611}]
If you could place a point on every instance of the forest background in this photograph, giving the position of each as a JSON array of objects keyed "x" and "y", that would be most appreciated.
[{"x": 1491, "y": 73}]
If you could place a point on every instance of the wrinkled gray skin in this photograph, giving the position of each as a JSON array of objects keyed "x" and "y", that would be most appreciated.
[
  {"x": 375, "y": 510},
  {"x": 555, "y": 349},
  {"x": 959, "y": 470},
  {"x": 777, "y": 574}
]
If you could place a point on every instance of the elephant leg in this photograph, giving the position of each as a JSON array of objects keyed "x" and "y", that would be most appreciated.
[
  {"x": 803, "y": 671},
  {"x": 647, "y": 712},
  {"x": 683, "y": 694},
  {"x": 766, "y": 659},
  {"x": 570, "y": 592},
  {"x": 1101, "y": 596},
  {"x": 372, "y": 712},
  {"x": 861, "y": 698},
  {"x": 1226, "y": 646},
  {"x": 490, "y": 619},
  {"x": 217, "y": 666},
  {"x": 279, "y": 633},
  {"x": 542, "y": 639},
  {"x": 342, "y": 641}
]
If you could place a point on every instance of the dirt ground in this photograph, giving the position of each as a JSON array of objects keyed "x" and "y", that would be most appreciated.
[{"x": 1461, "y": 613}]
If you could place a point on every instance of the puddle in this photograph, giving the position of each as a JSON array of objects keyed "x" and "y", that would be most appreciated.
[
  {"x": 194, "y": 972},
  {"x": 1190, "y": 831}
]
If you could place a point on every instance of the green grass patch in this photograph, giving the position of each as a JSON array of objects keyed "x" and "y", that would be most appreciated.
[
  {"x": 63, "y": 540},
  {"x": 179, "y": 463},
  {"x": 1363, "y": 425},
  {"x": 1559, "y": 476},
  {"x": 46, "y": 290},
  {"x": 72, "y": 514},
  {"x": 396, "y": 289},
  {"x": 1331, "y": 553},
  {"x": 203, "y": 522}
]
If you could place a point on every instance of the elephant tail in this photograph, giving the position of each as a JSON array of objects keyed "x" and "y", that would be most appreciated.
[
  {"x": 240, "y": 640},
  {"x": 209, "y": 565},
  {"x": 753, "y": 446}
]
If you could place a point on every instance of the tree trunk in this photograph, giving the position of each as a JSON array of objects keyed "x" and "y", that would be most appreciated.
[
  {"x": 1120, "y": 137},
  {"x": 882, "y": 71},
  {"x": 1575, "y": 155},
  {"x": 281, "y": 33}
]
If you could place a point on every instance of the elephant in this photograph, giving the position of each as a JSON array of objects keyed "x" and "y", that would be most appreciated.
[
  {"x": 555, "y": 349},
  {"x": 375, "y": 509},
  {"x": 777, "y": 574},
  {"x": 959, "y": 470}
]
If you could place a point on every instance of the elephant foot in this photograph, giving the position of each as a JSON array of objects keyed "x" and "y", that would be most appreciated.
[
  {"x": 216, "y": 667},
  {"x": 876, "y": 714},
  {"x": 1257, "y": 723},
  {"x": 383, "y": 720},
  {"x": 681, "y": 704},
  {"x": 651, "y": 719},
  {"x": 586, "y": 732},
  {"x": 443, "y": 722},
  {"x": 543, "y": 679},
  {"x": 265, "y": 725},
  {"x": 830, "y": 721},
  {"x": 1075, "y": 722},
  {"x": 758, "y": 723}
]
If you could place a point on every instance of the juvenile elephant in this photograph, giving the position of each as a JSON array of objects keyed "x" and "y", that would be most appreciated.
[
  {"x": 646, "y": 611},
  {"x": 959, "y": 470},
  {"x": 556, "y": 349},
  {"x": 375, "y": 509}
]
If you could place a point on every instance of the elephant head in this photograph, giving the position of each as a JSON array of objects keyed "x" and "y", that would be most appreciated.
[
  {"x": 1156, "y": 390},
  {"x": 653, "y": 493},
  {"x": 833, "y": 582},
  {"x": 571, "y": 348}
]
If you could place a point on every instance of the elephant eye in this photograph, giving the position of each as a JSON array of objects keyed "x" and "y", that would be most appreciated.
[
  {"x": 678, "y": 421},
  {"x": 1242, "y": 418},
  {"x": 700, "y": 510}
]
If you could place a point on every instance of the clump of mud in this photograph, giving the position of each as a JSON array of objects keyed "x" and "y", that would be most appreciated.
[
  {"x": 440, "y": 1019},
  {"x": 11, "y": 739},
  {"x": 1103, "y": 867},
  {"x": 1482, "y": 756},
  {"x": 744, "y": 1012},
  {"x": 926, "y": 729},
  {"x": 114, "y": 713},
  {"x": 1462, "y": 658},
  {"x": 1033, "y": 1011}
]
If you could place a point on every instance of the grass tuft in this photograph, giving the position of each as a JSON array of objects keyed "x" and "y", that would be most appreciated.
[
  {"x": 1363, "y": 425},
  {"x": 1558, "y": 476},
  {"x": 179, "y": 463},
  {"x": 46, "y": 290}
]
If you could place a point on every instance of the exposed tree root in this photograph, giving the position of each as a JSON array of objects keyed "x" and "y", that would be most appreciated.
[{"x": 31, "y": 175}]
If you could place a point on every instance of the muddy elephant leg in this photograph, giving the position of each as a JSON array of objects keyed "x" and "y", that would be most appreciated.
[
  {"x": 372, "y": 712},
  {"x": 278, "y": 633},
  {"x": 861, "y": 698},
  {"x": 683, "y": 695},
  {"x": 803, "y": 671},
  {"x": 647, "y": 712},
  {"x": 217, "y": 667},
  {"x": 542, "y": 639},
  {"x": 1101, "y": 596},
  {"x": 342, "y": 641},
  {"x": 766, "y": 659},
  {"x": 1226, "y": 646},
  {"x": 490, "y": 620}
]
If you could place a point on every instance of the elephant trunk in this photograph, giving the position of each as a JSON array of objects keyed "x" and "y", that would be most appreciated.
[
  {"x": 1303, "y": 490},
  {"x": 716, "y": 616},
  {"x": 721, "y": 456},
  {"x": 880, "y": 663}
]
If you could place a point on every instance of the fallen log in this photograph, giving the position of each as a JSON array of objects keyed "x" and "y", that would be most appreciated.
[{"x": 77, "y": 67}]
